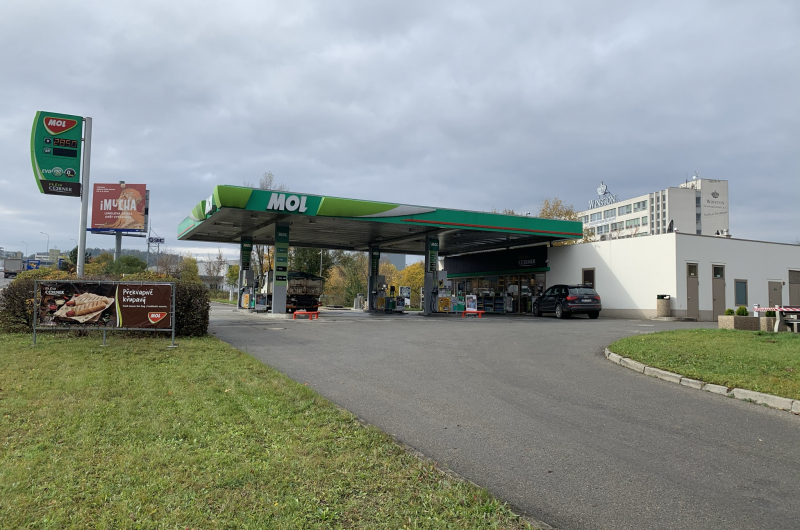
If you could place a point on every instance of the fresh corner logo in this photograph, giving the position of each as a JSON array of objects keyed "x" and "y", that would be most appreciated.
[
  {"x": 292, "y": 203},
  {"x": 57, "y": 126}
]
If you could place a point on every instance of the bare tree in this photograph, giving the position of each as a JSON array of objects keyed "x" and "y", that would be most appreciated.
[
  {"x": 263, "y": 254},
  {"x": 215, "y": 269},
  {"x": 169, "y": 264}
]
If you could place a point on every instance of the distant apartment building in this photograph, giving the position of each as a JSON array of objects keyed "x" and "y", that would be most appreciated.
[{"x": 698, "y": 206}]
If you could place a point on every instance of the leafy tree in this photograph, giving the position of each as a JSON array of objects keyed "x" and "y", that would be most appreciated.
[
  {"x": 347, "y": 278},
  {"x": 413, "y": 276},
  {"x": 308, "y": 260},
  {"x": 232, "y": 276},
  {"x": 73, "y": 256},
  {"x": 126, "y": 265},
  {"x": 390, "y": 272},
  {"x": 189, "y": 271},
  {"x": 557, "y": 209}
]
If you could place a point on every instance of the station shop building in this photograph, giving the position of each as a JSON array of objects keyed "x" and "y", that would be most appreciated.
[{"x": 507, "y": 260}]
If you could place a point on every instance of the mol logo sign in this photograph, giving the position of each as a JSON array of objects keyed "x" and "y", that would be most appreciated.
[
  {"x": 292, "y": 203},
  {"x": 57, "y": 126}
]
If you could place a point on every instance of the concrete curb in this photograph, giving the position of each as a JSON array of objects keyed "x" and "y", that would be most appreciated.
[{"x": 775, "y": 402}]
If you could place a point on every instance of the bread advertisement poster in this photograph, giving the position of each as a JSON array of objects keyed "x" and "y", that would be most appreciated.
[
  {"x": 105, "y": 304},
  {"x": 119, "y": 207}
]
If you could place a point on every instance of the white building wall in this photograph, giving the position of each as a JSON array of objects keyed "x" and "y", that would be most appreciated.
[
  {"x": 681, "y": 209},
  {"x": 758, "y": 262},
  {"x": 629, "y": 273}
]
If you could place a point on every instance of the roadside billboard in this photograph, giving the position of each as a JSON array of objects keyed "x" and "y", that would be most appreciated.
[
  {"x": 119, "y": 305},
  {"x": 119, "y": 207},
  {"x": 56, "y": 153}
]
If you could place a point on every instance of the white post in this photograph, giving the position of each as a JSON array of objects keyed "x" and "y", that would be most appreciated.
[{"x": 87, "y": 155}]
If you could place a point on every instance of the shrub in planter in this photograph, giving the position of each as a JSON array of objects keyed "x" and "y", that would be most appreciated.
[
  {"x": 770, "y": 314},
  {"x": 741, "y": 311},
  {"x": 729, "y": 312}
]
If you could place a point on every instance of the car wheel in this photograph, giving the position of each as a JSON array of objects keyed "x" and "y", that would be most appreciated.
[
  {"x": 594, "y": 314},
  {"x": 560, "y": 313},
  {"x": 537, "y": 312}
]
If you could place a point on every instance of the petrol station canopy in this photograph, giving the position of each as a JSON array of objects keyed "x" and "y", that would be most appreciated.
[{"x": 233, "y": 212}]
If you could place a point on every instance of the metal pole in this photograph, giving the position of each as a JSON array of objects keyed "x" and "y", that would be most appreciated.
[
  {"x": 87, "y": 156},
  {"x": 118, "y": 239}
]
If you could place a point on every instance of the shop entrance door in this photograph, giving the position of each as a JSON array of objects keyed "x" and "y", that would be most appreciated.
[
  {"x": 775, "y": 294},
  {"x": 717, "y": 291},
  {"x": 692, "y": 292}
]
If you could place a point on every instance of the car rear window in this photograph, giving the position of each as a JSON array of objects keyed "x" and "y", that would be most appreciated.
[{"x": 582, "y": 291}]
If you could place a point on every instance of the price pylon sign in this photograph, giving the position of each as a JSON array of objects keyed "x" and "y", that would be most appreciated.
[{"x": 56, "y": 153}]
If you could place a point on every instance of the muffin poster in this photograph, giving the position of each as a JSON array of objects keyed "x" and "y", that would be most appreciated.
[{"x": 119, "y": 207}]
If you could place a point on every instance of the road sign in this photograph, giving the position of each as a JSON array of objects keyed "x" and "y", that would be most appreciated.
[
  {"x": 154, "y": 240},
  {"x": 56, "y": 153}
]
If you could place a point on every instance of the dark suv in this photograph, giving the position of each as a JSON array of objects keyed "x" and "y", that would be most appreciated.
[{"x": 564, "y": 300}]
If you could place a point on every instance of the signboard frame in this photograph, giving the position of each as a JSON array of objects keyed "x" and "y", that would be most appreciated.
[
  {"x": 37, "y": 300},
  {"x": 57, "y": 144},
  {"x": 96, "y": 203}
]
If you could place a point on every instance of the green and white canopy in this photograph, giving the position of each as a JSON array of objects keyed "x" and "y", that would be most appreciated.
[{"x": 233, "y": 212}]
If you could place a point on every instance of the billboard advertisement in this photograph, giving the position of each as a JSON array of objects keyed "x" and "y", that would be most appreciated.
[
  {"x": 119, "y": 207},
  {"x": 56, "y": 153},
  {"x": 124, "y": 305}
]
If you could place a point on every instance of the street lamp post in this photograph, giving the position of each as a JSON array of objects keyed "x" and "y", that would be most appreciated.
[
  {"x": 26, "y": 249},
  {"x": 48, "y": 244}
]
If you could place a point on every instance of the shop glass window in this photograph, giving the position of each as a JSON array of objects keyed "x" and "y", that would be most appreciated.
[{"x": 740, "y": 290}]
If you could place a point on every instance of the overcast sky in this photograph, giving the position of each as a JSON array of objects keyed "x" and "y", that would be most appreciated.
[{"x": 467, "y": 105}]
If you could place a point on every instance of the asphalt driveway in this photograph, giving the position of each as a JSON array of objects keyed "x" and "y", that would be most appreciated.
[{"x": 531, "y": 410}]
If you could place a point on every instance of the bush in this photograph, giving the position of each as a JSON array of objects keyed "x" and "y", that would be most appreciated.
[
  {"x": 729, "y": 311},
  {"x": 191, "y": 300},
  {"x": 769, "y": 314},
  {"x": 742, "y": 311}
]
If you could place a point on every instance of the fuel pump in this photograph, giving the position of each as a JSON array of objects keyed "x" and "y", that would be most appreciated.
[
  {"x": 391, "y": 300},
  {"x": 246, "y": 289}
]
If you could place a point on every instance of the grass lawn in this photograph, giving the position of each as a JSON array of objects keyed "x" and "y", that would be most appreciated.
[
  {"x": 753, "y": 360},
  {"x": 136, "y": 435}
]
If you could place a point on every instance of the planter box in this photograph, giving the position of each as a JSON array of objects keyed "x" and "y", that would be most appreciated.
[
  {"x": 768, "y": 324},
  {"x": 734, "y": 322}
]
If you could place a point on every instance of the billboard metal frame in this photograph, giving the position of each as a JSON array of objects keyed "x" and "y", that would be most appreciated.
[{"x": 104, "y": 329}]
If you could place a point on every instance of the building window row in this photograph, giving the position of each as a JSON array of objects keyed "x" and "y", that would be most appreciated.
[{"x": 639, "y": 206}]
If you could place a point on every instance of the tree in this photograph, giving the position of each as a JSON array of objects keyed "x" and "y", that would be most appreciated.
[
  {"x": 168, "y": 264},
  {"x": 232, "y": 276},
  {"x": 215, "y": 268},
  {"x": 264, "y": 254},
  {"x": 73, "y": 256},
  {"x": 390, "y": 273},
  {"x": 189, "y": 271},
  {"x": 413, "y": 276},
  {"x": 557, "y": 209},
  {"x": 347, "y": 278},
  {"x": 308, "y": 260},
  {"x": 126, "y": 265}
]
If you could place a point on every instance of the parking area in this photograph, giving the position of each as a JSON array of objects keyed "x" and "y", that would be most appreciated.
[{"x": 530, "y": 409}]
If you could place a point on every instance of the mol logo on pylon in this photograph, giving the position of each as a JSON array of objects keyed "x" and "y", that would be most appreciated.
[{"x": 57, "y": 126}]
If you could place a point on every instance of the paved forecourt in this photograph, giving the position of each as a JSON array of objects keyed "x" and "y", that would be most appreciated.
[{"x": 530, "y": 409}]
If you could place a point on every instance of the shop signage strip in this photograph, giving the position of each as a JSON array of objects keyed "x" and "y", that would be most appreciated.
[{"x": 498, "y": 273}]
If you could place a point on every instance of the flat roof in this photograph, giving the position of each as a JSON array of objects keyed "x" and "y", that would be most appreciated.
[{"x": 234, "y": 212}]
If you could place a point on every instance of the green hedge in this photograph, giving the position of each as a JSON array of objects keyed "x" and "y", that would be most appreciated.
[{"x": 192, "y": 302}]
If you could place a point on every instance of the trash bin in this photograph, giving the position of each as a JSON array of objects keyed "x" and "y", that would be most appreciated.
[{"x": 662, "y": 305}]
